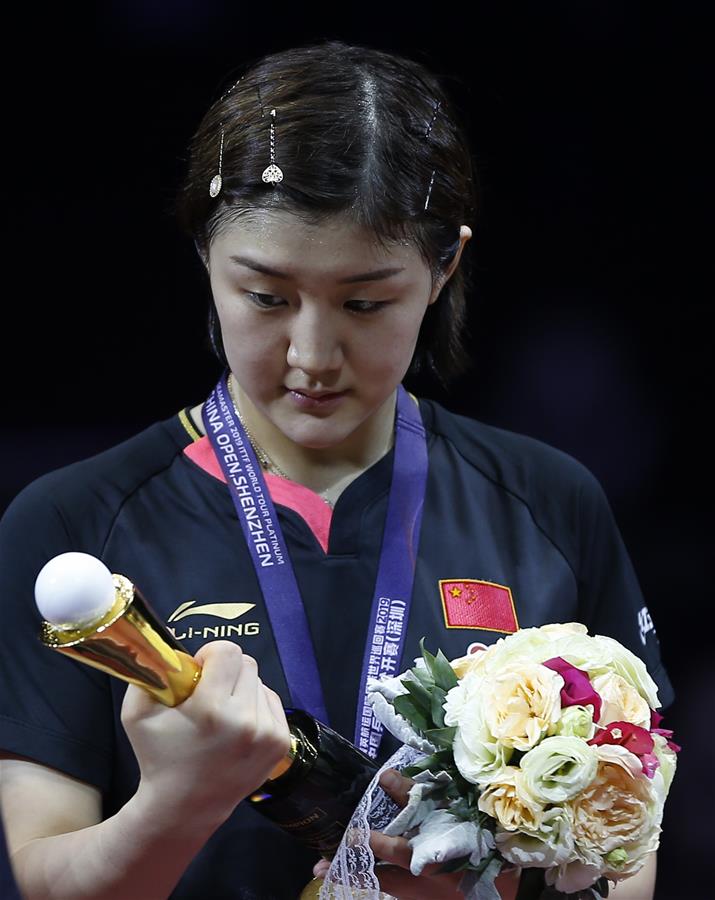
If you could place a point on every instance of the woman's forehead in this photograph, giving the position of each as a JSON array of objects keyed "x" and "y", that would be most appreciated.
[{"x": 287, "y": 235}]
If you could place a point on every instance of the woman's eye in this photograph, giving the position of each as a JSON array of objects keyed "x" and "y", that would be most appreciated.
[
  {"x": 270, "y": 301},
  {"x": 366, "y": 306},
  {"x": 264, "y": 301}
]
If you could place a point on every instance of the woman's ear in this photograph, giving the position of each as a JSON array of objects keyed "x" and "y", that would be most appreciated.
[{"x": 465, "y": 233}]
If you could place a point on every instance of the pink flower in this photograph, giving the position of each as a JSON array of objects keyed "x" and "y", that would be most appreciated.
[
  {"x": 650, "y": 763},
  {"x": 655, "y": 720},
  {"x": 634, "y": 738},
  {"x": 577, "y": 689}
]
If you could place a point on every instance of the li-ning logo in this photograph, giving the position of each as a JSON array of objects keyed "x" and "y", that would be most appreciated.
[{"x": 218, "y": 610}]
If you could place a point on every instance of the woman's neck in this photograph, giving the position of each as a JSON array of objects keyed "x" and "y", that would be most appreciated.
[{"x": 318, "y": 468}]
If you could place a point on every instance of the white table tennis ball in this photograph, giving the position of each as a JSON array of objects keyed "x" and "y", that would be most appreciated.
[{"x": 74, "y": 589}]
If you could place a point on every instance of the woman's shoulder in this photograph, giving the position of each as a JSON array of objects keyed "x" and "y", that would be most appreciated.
[
  {"x": 518, "y": 462},
  {"x": 103, "y": 480}
]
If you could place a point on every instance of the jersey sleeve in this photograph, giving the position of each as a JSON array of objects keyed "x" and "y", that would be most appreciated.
[
  {"x": 609, "y": 593},
  {"x": 53, "y": 710}
]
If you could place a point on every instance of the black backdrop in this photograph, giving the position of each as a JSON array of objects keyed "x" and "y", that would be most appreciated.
[{"x": 589, "y": 318}]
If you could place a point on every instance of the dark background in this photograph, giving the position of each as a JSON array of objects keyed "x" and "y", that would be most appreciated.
[{"x": 590, "y": 317}]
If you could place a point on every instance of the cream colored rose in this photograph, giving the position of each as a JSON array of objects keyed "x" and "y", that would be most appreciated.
[
  {"x": 621, "y": 702},
  {"x": 504, "y": 800},
  {"x": 558, "y": 769},
  {"x": 521, "y": 704},
  {"x": 472, "y": 662},
  {"x": 561, "y": 629},
  {"x": 619, "y": 808}
]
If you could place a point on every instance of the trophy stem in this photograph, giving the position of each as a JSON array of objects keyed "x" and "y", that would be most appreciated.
[
  {"x": 133, "y": 644},
  {"x": 310, "y": 793}
]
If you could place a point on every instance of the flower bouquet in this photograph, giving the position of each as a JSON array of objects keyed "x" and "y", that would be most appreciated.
[{"x": 542, "y": 752}]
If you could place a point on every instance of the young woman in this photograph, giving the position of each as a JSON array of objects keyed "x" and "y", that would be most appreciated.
[{"x": 329, "y": 194}]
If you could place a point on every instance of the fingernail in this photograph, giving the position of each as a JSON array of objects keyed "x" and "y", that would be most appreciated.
[{"x": 390, "y": 779}]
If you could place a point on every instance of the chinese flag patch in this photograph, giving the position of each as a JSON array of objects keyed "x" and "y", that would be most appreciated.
[{"x": 478, "y": 604}]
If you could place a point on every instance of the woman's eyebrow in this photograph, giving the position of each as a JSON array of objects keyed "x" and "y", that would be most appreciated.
[{"x": 376, "y": 275}]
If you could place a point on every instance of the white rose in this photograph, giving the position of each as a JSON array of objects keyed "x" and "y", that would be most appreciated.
[
  {"x": 577, "y": 875},
  {"x": 667, "y": 758},
  {"x": 550, "y": 844},
  {"x": 477, "y": 755},
  {"x": 575, "y": 721},
  {"x": 631, "y": 667},
  {"x": 558, "y": 768}
]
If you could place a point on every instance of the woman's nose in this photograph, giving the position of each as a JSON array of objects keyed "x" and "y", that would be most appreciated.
[{"x": 314, "y": 345}]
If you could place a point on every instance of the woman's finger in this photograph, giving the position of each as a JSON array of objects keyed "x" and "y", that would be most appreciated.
[
  {"x": 397, "y": 852},
  {"x": 275, "y": 706},
  {"x": 394, "y": 850},
  {"x": 221, "y": 665},
  {"x": 396, "y": 786},
  {"x": 320, "y": 869}
]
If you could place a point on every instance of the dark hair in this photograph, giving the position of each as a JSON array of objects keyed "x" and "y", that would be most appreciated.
[{"x": 360, "y": 133}]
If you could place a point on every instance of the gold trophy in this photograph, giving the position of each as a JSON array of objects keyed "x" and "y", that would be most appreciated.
[{"x": 103, "y": 620}]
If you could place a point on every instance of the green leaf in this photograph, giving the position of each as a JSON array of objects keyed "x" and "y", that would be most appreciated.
[
  {"x": 454, "y": 865},
  {"x": 421, "y": 697},
  {"x": 437, "y": 698},
  {"x": 444, "y": 675},
  {"x": 424, "y": 676},
  {"x": 439, "y": 668},
  {"x": 485, "y": 862},
  {"x": 436, "y": 761},
  {"x": 405, "y": 706},
  {"x": 442, "y": 737},
  {"x": 427, "y": 657},
  {"x": 461, "y": 810}
]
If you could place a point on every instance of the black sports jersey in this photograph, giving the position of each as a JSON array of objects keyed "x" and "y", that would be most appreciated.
[{"x": 514, "y": 534}]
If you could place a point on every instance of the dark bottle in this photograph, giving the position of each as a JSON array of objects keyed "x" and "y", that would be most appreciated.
[{"x": 314, "y": 799}]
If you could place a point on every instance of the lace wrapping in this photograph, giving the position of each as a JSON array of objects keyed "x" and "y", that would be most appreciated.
[{"x": 352, "y": 871}]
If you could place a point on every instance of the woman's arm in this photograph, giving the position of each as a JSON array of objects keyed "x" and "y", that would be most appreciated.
[
  {"x": 60, "y": 848},
  {"x": 197, "y": 762}
]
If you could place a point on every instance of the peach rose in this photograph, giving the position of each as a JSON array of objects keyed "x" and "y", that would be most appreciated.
[
  {"x": 521, "y": 704},
  {"x": 621, "y": 702}
]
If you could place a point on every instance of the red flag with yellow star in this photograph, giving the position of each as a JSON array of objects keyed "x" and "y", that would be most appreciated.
[{"x": 468, "y": 603}]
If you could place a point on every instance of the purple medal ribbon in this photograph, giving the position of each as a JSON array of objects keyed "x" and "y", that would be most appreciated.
[{"x": 271, "y": 560}]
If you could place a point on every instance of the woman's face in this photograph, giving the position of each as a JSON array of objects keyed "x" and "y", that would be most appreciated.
[{"x": 317, "y": 311}]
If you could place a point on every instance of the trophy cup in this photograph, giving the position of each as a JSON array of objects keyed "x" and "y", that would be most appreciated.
[{"x": 102, "y": 619}]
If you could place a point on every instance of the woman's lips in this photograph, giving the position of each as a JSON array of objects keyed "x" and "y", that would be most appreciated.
[{"x": 325, "y": 401}]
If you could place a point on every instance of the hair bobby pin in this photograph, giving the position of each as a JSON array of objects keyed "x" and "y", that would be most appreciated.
[
  {"x": 272, "y": 173},
  {"x": 426, "y": 135},
  {"x": 217, "y": 180}
]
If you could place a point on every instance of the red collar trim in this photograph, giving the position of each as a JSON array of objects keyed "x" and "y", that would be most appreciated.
[{"x": 297, "y": 497}]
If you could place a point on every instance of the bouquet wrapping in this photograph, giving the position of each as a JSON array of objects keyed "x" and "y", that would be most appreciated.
[{"x": 542, "y": 752}]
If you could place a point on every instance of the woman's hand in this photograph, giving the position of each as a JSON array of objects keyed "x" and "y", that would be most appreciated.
[
  {"x": 216, "y": 747},
  {"x": 396, "y": 878}
]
